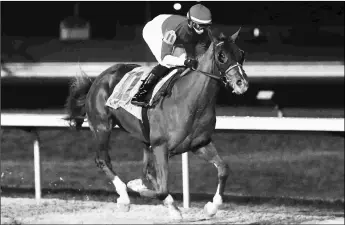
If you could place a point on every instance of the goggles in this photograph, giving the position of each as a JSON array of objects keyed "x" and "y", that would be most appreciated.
[{"x": 200, "y": 27}]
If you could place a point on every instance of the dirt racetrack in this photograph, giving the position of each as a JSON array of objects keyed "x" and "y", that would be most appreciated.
[{"x": 25, "y": 211}]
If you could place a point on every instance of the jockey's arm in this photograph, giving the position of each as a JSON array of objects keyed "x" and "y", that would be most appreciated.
[
  {"x": 174, "y": 61},
  {"x": 168, "y": 58}
]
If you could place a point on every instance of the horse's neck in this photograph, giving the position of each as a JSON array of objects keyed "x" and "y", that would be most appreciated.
[
  {"x": 206, "y": 60},
  {"x": 200, "y": 87}
]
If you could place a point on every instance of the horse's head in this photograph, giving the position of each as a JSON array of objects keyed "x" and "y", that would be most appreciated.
[{"x": 229, "y": 59}]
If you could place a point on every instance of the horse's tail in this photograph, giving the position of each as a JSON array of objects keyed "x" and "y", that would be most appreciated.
[{"x": 75, "y": 104}]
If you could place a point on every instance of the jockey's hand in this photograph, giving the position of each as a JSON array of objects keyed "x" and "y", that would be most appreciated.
[{"x": 191, "y": 63}]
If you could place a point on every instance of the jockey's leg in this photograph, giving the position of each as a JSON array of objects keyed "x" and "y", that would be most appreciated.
[
  {"x": 153, "y": 36},
  {"x": 156, "y": 74}
]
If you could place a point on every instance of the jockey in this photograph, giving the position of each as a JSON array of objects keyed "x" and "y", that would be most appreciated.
[{"x": 165, "y": 32}]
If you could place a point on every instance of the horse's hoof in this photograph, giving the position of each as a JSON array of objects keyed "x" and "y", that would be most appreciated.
[
  {"x": 122, "y": 207},
  {"x": 175, "y": 214},
  {"x": 137, "y": 185},
  {"x": 210, "y": 209}
]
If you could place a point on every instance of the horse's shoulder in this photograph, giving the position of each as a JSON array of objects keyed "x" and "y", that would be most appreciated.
[{"x": 167, "y": 87}]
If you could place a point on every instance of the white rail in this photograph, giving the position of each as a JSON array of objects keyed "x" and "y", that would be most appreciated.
[
  {"x": 253, "y": 69},
  {"x": 223, "y": 123}
]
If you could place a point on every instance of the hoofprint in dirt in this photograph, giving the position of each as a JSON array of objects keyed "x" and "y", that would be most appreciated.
[{"x": 26, "y": 211}]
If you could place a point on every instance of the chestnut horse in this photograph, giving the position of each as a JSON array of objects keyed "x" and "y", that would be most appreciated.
[{"x": 180, "y": 122}]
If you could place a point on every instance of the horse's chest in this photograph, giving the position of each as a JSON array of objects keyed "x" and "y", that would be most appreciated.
[
  {"x": 195, "y": 136},
  {"x": 189, "y": 143},
  {"x": 181, "y": 130}
]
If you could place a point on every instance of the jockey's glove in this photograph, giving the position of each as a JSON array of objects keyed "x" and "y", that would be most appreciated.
[{"x": 191, "y": 63}]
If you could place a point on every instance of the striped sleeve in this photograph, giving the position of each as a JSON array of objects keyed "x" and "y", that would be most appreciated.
[{"x": 169, "y": 39}]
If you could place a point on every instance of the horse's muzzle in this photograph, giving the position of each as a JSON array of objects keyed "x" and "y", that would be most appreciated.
[{"x": 240, "y": 87}]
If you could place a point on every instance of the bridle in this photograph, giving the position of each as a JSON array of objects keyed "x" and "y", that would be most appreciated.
[{"x": 222, "y": 77}]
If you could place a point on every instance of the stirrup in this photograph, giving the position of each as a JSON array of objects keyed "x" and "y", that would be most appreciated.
[{"x": 140, "y": 103}]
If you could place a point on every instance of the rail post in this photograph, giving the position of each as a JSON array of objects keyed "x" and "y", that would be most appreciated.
[
  {"x": 37, "y": 166},
  {"x": 185, "y": 180}
]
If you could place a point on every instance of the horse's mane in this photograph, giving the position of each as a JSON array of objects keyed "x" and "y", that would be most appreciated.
[
  {"x": 202, "y": 46},
  {"x": 212, "y": 34}
]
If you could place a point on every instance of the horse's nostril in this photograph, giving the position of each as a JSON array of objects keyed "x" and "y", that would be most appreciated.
[{"x": 239, "y": 82}]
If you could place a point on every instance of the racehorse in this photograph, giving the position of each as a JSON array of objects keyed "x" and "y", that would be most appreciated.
[{"x": 180, "y": 122}]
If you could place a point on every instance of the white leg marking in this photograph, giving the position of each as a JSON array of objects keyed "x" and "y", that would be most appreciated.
[
  {"x": 121, "y": 189},
  {"x": 217, "y": 199},
  {"x": 174, "y": 212},
  {"x": 137, "y": 185},
  {"x": 168, "y": 200},
  {"x": 211, "y": 208}
]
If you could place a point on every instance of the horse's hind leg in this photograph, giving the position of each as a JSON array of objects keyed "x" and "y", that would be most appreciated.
[
  {"x": 209, "y": 153},
  {"x": 103, "y": 161}
]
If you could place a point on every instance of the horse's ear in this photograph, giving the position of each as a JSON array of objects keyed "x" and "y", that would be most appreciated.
[
  {"x": 210, "y": 35},
  {"x": 221, "y": 36},
  {"x": 235, "y": 35}
]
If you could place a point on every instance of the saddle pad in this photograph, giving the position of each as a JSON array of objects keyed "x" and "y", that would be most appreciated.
[{"x": 129, "y": 85}]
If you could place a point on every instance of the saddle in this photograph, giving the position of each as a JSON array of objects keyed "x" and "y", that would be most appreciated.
[
  {"x": 129, "y": 85},
  {"x": 164, "y": 85}
]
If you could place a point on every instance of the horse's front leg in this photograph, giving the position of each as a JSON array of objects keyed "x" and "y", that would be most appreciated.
[
  {"x": 210, "y": 154},
  {"x": 148, "y": 179},
  {"x": 149, "y": 172},
  {"x": 162, "y": 171},
  {"x": 159, "y": 161}
]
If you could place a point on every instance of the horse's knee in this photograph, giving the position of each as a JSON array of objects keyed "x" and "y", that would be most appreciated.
[{"x": 223, "y": 170}]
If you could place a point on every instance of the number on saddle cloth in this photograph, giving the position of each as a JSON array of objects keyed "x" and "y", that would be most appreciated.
[
  {"x": 123, "y": 90},
  {"x": 137, "y": 77}
]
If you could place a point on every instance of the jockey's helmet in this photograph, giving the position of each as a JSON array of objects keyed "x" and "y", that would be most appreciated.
[{"x": 199, "y": 17}]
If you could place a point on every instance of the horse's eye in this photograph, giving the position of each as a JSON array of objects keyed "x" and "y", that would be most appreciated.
[{"x": 222, "y": 57}]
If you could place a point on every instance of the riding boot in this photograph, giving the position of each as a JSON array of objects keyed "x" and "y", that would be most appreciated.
[{"x": 156, "y": 74}]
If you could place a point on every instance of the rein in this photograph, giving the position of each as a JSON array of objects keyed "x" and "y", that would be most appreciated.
[{"x": 209, "y": 75}]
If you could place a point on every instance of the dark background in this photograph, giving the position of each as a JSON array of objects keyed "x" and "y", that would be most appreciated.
[
  {"x": 41, "y": 18},
  {"x": 303, "y": 31}
]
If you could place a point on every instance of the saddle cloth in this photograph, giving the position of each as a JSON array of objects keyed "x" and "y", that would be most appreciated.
[{"x": 129, "y": 85}]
